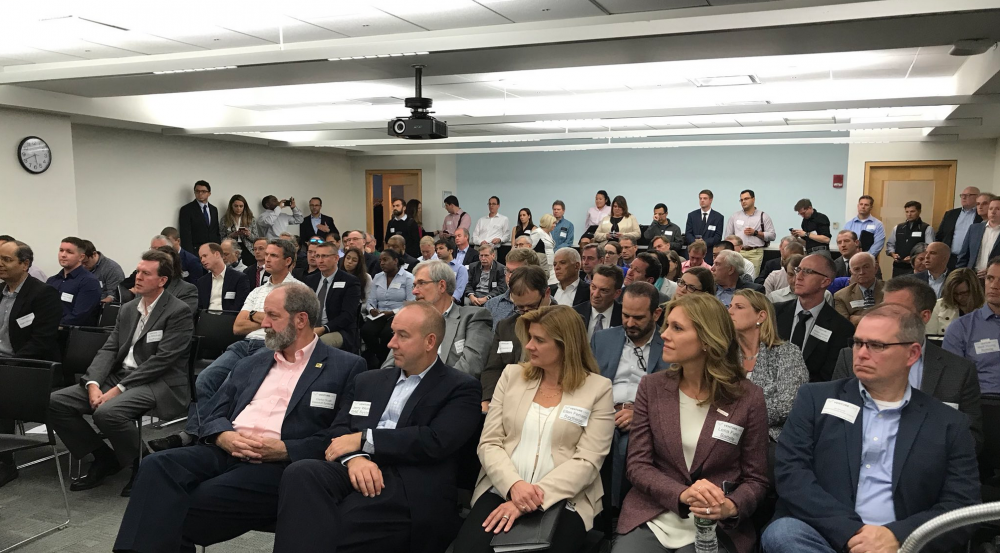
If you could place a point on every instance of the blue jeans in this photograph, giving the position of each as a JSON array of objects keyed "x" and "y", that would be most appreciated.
[
  {"x": 791, "y": 535},
  {"x": 211, "y": 379}
]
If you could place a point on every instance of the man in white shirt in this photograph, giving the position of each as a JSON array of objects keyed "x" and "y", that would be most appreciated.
[
  {"x": 272, "y": 222},
  {"x": 222, "y": 288},
  {"x": 981, "y": 243},
  {"x": 571, "y": 289},
  {"x": 494, "y": 228},
  {"x": 753, "y": 226}
]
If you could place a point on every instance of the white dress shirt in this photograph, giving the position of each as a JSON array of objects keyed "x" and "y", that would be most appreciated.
[
  {"x": 989, "y": 239},
  {"x": 564, "y": 296},
  {"x": 215, "y": 300},
  {"x": 593, "y": 319},
  {"x": 488, "y": 228},
  {"x": 129, "y": 362},
  {"x": 630, "y": 371}
]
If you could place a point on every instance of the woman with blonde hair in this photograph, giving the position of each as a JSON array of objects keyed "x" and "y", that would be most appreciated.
[
  {"x": 696, "y": 425},
  {"x": 239, "y": 224},
  {"x": 547, "y": 431},
  {"x": 545, "y": 246},
  {"x": 771, "y": 363},
  {"x": 962, "y": 293}
]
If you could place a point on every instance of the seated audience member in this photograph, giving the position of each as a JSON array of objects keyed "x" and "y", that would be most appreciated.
[
  {"x": 487, "y": 278},
  {"x": 590, "y": 256},
  {"x": 975, "y": 335},
  {"x": 613, "y": 255},
  {"x": 371, "y": 245},
  {"x": 301, "y": 259},
  {"x": 787, "y": 293},
  {"x": 339, "y": 294},
  {"x": 918, "y": 258},
  {"x": 704, "y": 388},
  {"x": 33, "y": 271},
  {"x": 109, "y": 273},
  {"x": 779, "y": 278},
  {"x": 272, "y": 222},
  {"x": 618, "y": 224},
  {"x": 671, "y": 272},
  {"x": 936, "y": 268},
  {"x": 770, "y": 362},
  {"x": 446, "y": 253},
  {"x": 334, "y": 238},
  {"x": 464, "y": 252},
  {"x": 624, "y": 355},
  {"x": 232, "y": 254},
  {"x": 221, "y": 288},
  {"x": 661, "y": 227},
  {"x": 586, "y": 239},
  {"x": 629, "y": 251},
  {"x": 531, "y": 459},
  {"x": 523, "y": 242},
  {"x": 176, "y": 286},
  {"x": 356, "y": 239},
  {"x": 311, "y": 268},
  {"x": 406, "y": 261},
  {"x": 696, "y": 256},
  {"x": 660, "y": 244},
  {"x": 142, "y": 367},
  {"x": 388, "y": 481},
  {"x": 427, "y": 250},
  {"x": 841, "y": 489},
  {"x": 257, "y": 273},
  {"x": 354, "y": 263},
  {"x": 863, "y": 294},
  {"x": 228, "y": 484},
  {"x": 848, "y": 245},
  {"x": 501, "y": 307},
  {"x": 190, "y": 264},
  {"x": 464, "y": 343},
  {"x": 772, "y": 265},
  {"x": 390, "y": 289},
  {"x": 811, "y": 323},
  {"x": 78, "y": 288},
  {"x": 938, "y": 373},
  {"x": 570, "y": 289},
  {"x": 961, "y": 294},
  {"x": 749, "y": 272},
  {"x": 697, "y": 279},
  {"x": 728, "y": 271},
  {"x": 528, "y": 291},
  {"x": 602, "y": 310},
  {"x": 31, "y": 312}
]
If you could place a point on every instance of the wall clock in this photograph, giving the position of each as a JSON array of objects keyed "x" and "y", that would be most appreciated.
[{"x": 34, "y": 155}]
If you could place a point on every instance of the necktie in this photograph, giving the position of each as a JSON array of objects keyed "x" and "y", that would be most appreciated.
[
  {"x": 599, "y": 325},
  {"x": 798, "y": 337},
  {"x": 322, "y": 294},
  {"x": 258, "y": 275},
  {"x": 704, "y": 219},
  {"x": 869, "y": 298},
  {"x": 208, "y": 219}
]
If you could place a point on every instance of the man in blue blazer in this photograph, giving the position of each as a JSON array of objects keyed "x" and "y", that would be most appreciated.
[
  {"x": 968, "y": 256},
  {"x": 235, "y": 287},
  {"x": 704, "y": 223},
  {"x": 862, "y": 462},
  {"x": 340, "y": 296},
  {"x": 275, "y": 408}
]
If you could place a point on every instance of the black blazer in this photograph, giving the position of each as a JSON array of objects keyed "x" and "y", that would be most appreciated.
[
  {"x": 497, "y": 280},
  {"x": 946, "y": 231},
  {"x": 820, "y": 356},
  {"x": 343, "y": 303},
  {"x": 407, "y": 262},
  {"x": 193, "y": 230},
  {"x": 306, "y": 228},
  {"x": 694, "y": 227},
  {"x": 39, "y": 310},
  {"x": 441, "y": 416},
  {"x": 582, "y": 292},
  {"x": 408, "y": 230},
  {"x": 818, "y": 461},
  {"x": 584, "y": 310},
  {"x": 497, "y": 357},
  {"x": 235, "y": 289},
  {"x": 251, "y": 273},
  {"x": 371, "y": 263}
]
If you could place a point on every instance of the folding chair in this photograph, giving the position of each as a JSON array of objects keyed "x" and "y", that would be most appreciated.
[
  {"x": 109, "y": 316},
  {"x": 215, "y": 330}
]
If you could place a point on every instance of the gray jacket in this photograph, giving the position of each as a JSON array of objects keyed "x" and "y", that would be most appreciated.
[
  {"x": 779, "y": 372},
  {"x": 468, "y": 333}
]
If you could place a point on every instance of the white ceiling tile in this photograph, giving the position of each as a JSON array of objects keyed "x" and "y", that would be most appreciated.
[
  {"x": 4, "y": 62},
  {"x": 367, "y": 23},
  {"x": 459, "y": 14},
  {"x": 631, "y": 6},
  {"x": 80, "y": 48},
  {"x": 465, "y": 91},
  {"x": 267, "y": 28},
  {"x": 523, "y": 11},
  {"x": 32, "y": 55}
]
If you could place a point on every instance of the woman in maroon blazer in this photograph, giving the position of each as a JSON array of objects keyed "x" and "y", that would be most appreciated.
[{"x": 695, "y": 426}]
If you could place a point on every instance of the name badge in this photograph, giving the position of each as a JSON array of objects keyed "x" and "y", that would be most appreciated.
[
  {"x": 563, "y": 234},
  {"x": 727, "y": 432},
  {"x": 392, "y": 230},
  {"x": 395, "y": 286},
  {"x": 66, "y": 297},
  {"x": 711, "y": 227},
  {"x": 101, "y": 282},
  {"x": 857, "y": 303},
  {"x": 916, "y": 234},
  {"x": 870, "y": 227},
  {"x": 493, "y": 285},
  {"x": 950, "y": 404},
  {"x": 576, "y": 415},
  {"x": 229, "y": 296},
  {"x": 821, "y": 333},
  {"x": 185, "y": 274},
  {"x": 506, "y": 346},
  {"x": 323, "y": 400},
  {"x": 26, "y": 320},
  {"x": 459, "y": 346},
  {"x": 987, "y": 345},
  {"x": 739, "y": 223},
  {"x": 668, "y": 232},
  {"x": 361, "y": 408},
  {"x": 841, "y": 410},
  {"x": 340, "y": 284},
  {"x": 154, "y": 336}
]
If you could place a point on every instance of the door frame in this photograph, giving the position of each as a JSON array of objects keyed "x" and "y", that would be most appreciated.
[
  {"x": 941, "y": 204},
  {"x": 369, "y": 203}
]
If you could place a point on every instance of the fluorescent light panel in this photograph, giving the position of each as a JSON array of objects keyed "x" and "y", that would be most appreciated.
[
  {"x": 172, "y": 71},
  {"x": 371, "y": 57},
  {"x": 730, "y": 80}
]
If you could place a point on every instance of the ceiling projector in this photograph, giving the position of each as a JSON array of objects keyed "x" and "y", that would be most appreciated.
[{"x": 419, "y": 125}]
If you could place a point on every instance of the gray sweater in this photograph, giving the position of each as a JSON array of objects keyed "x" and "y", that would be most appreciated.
[{"x": 779, "y": 371}]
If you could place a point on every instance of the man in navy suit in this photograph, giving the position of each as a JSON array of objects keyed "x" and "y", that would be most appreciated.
[
  {"x": 316, "y": 224},
  {"x": 221, "y": 288},
  {"x": 983, "y": 237},
  {"x": 199, "y": 220},
  {"x": 704, "y": 223},
  {"x": 276, "y": 408},
  {"x": 339, "y": 294},
  {"x": 862, "y": 462},
  {"x": 389, "y": 479}
]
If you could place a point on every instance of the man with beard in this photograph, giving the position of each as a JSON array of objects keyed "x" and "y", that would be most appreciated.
[
  {"x": 403, "y": 225},
  {"x": 275, "y": 409}
]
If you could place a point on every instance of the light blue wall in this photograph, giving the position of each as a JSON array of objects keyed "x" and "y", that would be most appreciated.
[{"x": 779, "y": 176}]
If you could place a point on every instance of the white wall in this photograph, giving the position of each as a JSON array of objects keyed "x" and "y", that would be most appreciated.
[
  {"x": 437, "y": 173},
  {"x": 38, "y": 209}
]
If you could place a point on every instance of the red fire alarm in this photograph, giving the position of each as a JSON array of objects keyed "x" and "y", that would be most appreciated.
[{"x": 838, "y": 181}]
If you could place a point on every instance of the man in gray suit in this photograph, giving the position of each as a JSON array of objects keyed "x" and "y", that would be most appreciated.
[
  {"x": 467, "y": 329},
  {"x": 939, "y": 373},
  {"x": 142, "y": 366}
]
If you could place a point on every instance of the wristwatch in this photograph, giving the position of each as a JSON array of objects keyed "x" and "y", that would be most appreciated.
[{"x": 252, "y": 313}]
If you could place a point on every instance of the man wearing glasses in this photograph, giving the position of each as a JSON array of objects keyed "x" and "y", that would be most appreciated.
[
  {"x": 956, "y": 222},
  {"x": 602, "y": 311},
  {"x": 356, "y": 239},
  {"x": 339, "y": 294},
  {"x": 862, "y": 462},
  {"x": 812, "y": 324}
]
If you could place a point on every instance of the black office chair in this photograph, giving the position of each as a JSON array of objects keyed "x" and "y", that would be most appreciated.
[
  {"x": 215, "y": 330},
  {"x": 82, "y": 345},
  {"x": 25, "y": 388},
  {"x": 109, "y": 316}
]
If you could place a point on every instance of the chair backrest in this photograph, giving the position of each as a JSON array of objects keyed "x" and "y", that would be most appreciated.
[
  {"x": 468, "y": 460},
  {"x": 215, "y": 329},
  {"x": 25, "y": 387},
  {"x": 125, "y": 294},
  {"x": 82, "y": 346},
  {"x": 109, "y": 316}
]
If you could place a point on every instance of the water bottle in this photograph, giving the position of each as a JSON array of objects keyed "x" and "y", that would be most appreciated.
[{"x": 705, "y": 540}]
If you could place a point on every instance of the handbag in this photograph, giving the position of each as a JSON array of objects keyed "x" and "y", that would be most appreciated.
[{"x": 531, "y": 532}]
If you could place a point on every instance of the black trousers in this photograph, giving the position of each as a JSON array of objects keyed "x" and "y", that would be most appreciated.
[
  {"x": 376, "y": 335},
  {"x": 197, "y": 495},
  {"x": 320, "y": 512},
  {"x": 7, "y": 427},
  {"x": 472, "y": 538}
]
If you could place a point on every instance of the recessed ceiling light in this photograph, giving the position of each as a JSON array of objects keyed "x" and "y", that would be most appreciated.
[
  {"x": 810, "y": 121},
  {"x": 193, "y": 70},
  {"x": 746, "y": 103},
  {"x": 375, "y": 56},
  {"x": 730, "y": 80}
]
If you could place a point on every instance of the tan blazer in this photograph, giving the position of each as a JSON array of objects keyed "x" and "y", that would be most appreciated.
[
  {"x": 579, "y": 450},
  {"x": 628, "y": 227},
  {"x": 843, "y": 298}
]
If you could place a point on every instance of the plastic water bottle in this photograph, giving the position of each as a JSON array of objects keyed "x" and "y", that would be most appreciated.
[{"x": 705, "y": 540}]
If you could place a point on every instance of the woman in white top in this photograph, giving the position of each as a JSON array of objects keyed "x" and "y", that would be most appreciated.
[
  {"x": 390, "y": 290},
  {"x": 547, "y": 431},
  {"x": 541, "y": 237},
  {"x": 601, "y": 209},
  {"x": 961, "y": 293},
  {"x": 619, "y": 224}
]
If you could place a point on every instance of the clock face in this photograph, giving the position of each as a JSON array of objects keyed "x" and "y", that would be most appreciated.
[{"x": 34, "y": 155}]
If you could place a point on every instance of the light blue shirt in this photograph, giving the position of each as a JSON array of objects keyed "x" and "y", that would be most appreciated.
[
  {"x": 461, "y": 278},
  {"x": 965, "y": 219},
  {"x": 316, "y": 221},
  {"x": 725, "y": 295},
  {"x": 329, "y": 287},
  {"x": 917, "y": 369},
  {"x": 405, "y": 385},
  {"x": 390, "y": 297},
  {"x": 937, "y": 283},
  {"x": 500, "y": 307},
  {"x": 460, "y": 255},
  {"x": 880, "y": 427},
  {"x": 872, "y": 225},
  {"x": 982, "y": 328},
  {"x": 562, "y": 234}
]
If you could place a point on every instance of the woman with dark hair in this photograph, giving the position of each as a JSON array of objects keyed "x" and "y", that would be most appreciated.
[
  {"x": 601, "y": 209},
  {"x": 354, "y": 263},
  {"x": 664, "y": 284},
  {"x": 176, "y": 285},
  {"x": 619, "y": 224},
  {"x": 239, "y": 224},
  {"x": 414, "y": 211},
  {"x": 524, "y": 226},
  {"x": 695, "y": 279}
]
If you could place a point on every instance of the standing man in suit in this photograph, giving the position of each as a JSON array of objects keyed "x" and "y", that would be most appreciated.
[
  {"x": 339, "y": 294},
  {"x": 389, "y": 479},
  {"x": 29, "y": 322},
  {"x": 704, "y": 224},
  {"x": 938, "y": 258},
  {"x": 257, "y": 273},
  {"x": 602, "y": 310},
  {"x": 403, "y": 225},
  {"x": 981, "y": 243},
  {"x": 812, "y": 324},
  {"x": 356, "y": 239},
  {"x": 863, "y": 294},
  {"x": 906, "y": 235},
  {"x": 862, "y": 462},
  {"x": 190, "y": 264},
  {"x": 78, "y": 288},
  {"x": 142, "y": 367},
  {"x": 956, "y": 222},
  {"x": 487, "y": 278},
  {"x": 316, "y": 224},
  {"x": 570, "y": 290},
  {"x": 276, "y": 409},
  {"x": 199, "y": 220},
  {"x": 221, "y": 288}
]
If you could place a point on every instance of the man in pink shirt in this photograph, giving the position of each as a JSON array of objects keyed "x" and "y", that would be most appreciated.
[{"x": 275, "y": 408}]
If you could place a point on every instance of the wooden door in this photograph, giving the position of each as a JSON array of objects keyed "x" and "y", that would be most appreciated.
[
  {"x": 382, "y": 188},
  {"x": 893, "y": 183}
]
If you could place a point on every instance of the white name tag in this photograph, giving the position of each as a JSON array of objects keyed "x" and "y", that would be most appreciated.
[
  {"x": 987, "y": 345},
  {"x": 66, "y": 297},
  {"x": 740, "y": 223},
  {"x": 950, "y": 404},
  {"x": 324, "y": 400},
  {"x": 459, "y": 346},
  {"x": 821, "y": 333},
  {"x": 711, "y": 227},
  {"x": 101, "y": 282},
  {"x": 26, "y": 320},
  {"x": 841, "y": 410},
  {"x": 916, "y": 234},
  {"x": 154, "y": 336},
  {"x": 361, "y": 408},
  {"x": 506, "y": 346},
  {"x": 668, "y": 232},
  {"x": 229, "y": 296},
  {"x": 340, "y": 284},
  {"x": 563, "y": 234},
  {"x": 395, "y": 286},
  {"x": 857, "y": 303},
  {"x": 727, "y": 432},
  {"x": 870, "y": 227},
  {"x": 576, "y": 415},
  {"x": 185, "y": 274}
]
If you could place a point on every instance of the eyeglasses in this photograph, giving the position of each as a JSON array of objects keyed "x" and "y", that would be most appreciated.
[
  {"x": 422, "y": 282},
  {"x": 522, "y": 309},
  {"x": 807, "y": 271},
  {"x": 688, "y": 287},
  {"x": 877, "y": 347},
  {"x": 966, "y": 196},
  {"x": 315, "y": 241},
  {"x": 325, "y": 255}
]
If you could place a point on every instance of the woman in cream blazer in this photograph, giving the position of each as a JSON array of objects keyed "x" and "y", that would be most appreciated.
[
  {"x": 620, "y": 224},
  {"x": 546, "y": 434}
]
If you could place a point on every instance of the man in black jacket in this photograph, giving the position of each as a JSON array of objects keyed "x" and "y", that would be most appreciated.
[
  {"x": 705, "y": 224},
  {"x": 956, "y": 222},
  {"x": 356, "y": 239},
  {"x": 316, "y": 224},
  {"x": 487, "y": 278},
  {"x": 403, "y": 225},
  {"x": 199, "y": 220},
  {"x": 221, "y": 288},
  {"x": 339, "y": 294}
]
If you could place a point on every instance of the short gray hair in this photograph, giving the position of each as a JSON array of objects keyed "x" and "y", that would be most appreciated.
[
  {"x": 911, "y": 326},
  {"x": 573, "y": 255},
  {"x": 485, "y": 247},
  {"x": 234, "y": 245},
  {"x": 161, "y": 238},
  {"x": 299, "y": 298},
  {"x": 438, "y": 270},
  {"x": 862, "y": 256},
  {"x": 730, "y": 259}
]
